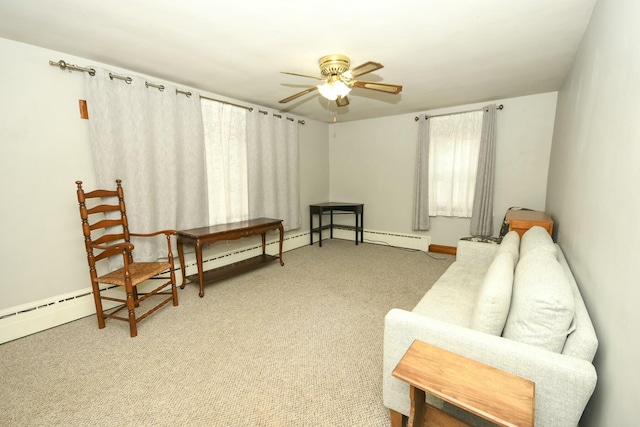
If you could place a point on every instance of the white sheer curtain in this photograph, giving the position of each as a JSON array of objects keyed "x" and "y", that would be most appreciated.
[
  {"x": 153, "y": 140},
  {"x": 272, "y": 148},
  {"x": 453, "y": 161},
  {"x": 225, "y": 130}
]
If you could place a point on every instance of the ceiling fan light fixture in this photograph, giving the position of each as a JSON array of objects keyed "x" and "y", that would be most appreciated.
[
  {"x": 334, "y": 89},
  {"x": 341, "y": 89},
  {"x": 327, "y": 91}
]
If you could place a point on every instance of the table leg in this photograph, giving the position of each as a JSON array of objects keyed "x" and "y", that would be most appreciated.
[
  {"x": 331, "y": 228},
  {"x": 362, "y": 224},
  {"x": 311, "y": 226},
  {"x": 355, "y": 213},
  {"x": 422, "y": 414},
  {"x": 281, "y": 228},
  {"x": 320, "y": 227},
  {"x": 183, "y": 267},
  {"x": 416, "y": 416},
  {"x": 200, "y": 268},
  {"x": 397, "y": 419}
]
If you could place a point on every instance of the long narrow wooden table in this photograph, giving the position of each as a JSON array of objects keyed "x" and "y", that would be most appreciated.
[
  {"x": 198, "y": 237},
  {"x": 495, "y": 395}
]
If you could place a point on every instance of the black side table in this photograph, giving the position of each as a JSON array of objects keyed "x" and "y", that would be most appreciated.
[{"x": 321, "y": 208}]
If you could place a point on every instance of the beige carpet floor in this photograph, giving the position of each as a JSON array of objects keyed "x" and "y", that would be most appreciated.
[{"x": 299, "y": 345}]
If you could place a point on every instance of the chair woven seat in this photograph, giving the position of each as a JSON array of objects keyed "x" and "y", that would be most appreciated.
[
  {"x": 106, "y": 235},
  {"x": 139, "y": 271}
]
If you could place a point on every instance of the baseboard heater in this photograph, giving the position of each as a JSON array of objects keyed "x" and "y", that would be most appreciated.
[
  {"x": 37, "y": 316},
  {"x": 20, "y": 321},
  {"x": 401, "y": 240},
  {"x": 26, "y": 319}
]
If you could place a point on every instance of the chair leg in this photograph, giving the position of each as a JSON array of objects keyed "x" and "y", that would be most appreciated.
[
  {"x": 174, "y": 288},
  {"x": 136, "y": 302},
  {"x": 174, "y": 292},
  {"x": 131, "y": 306},
  {"x": 98, "y": 301}
]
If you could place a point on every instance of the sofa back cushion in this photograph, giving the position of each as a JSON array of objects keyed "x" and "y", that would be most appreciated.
[
  {"x": 511, "y": 245},
  {"x": 494, "y": 296},
  {"x": 537, "y": 239},
  {"x": 542, "y": 305}
]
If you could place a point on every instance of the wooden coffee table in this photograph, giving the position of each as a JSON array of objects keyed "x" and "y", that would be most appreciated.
[
  {"x": 198, "y": 237},
  {"x": 495, "y": 395}
]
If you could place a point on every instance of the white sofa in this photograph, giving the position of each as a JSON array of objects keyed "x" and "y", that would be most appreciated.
[{"x": 515, "y": 306}]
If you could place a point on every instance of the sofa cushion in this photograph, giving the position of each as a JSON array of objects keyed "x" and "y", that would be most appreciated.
[
  {"x": 494, "y": 296},
  {"x": 537, "y": 239},
  {"x": 452, "y": 298},
  {"x": 542, "y": 304},
  {"x": 511, "y": 245}
]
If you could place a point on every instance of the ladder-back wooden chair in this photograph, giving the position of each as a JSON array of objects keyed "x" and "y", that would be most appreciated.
[{"x": 106, "y": 237}]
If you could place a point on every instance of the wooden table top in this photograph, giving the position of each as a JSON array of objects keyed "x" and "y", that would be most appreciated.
[
  {"x": 232, "y": 226},
  {"x": 493, "y": 394},
  {"x": 523, "y": 215},
  {"x": 335, "y": 204}
]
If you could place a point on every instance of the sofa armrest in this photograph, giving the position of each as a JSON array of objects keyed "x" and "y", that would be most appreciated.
[
  {"x": 475, "y": 252},
  {"x": 563, "y": 384}
]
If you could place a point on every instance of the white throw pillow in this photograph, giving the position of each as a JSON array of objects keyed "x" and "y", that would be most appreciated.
[
  {"x": 511, "y": 244},
  {"x": 537, "y": 239},
  {"x": 542, "y": 304},
  {"x": 494, "y": 296}
]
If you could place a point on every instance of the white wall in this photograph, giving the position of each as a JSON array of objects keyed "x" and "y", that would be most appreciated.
[
  {"x": 593, "y": 197},
  {"x": 373, "y": 162},
  {"x": 44, "y": 149},
  {"x": 314, "y": 167}
]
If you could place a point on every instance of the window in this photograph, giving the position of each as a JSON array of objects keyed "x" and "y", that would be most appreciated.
[
  {"x": 454, "y": 144},
  {"x": 226, "y": 161},
  {"x": 252, "y": 165}
]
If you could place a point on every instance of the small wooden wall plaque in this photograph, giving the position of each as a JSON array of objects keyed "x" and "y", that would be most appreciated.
[{"x": 84, "y": 112}]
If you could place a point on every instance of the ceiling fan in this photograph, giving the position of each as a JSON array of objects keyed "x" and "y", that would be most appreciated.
[{"x": 338, "y": 80}]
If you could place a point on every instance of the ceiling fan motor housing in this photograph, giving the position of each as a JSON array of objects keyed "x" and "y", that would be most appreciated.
[{"x": 334, "y": 64}]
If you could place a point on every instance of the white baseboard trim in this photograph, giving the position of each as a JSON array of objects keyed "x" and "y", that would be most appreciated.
[
  {"x": 401, "y": 240},
  {"x": 26, "y": 319}
]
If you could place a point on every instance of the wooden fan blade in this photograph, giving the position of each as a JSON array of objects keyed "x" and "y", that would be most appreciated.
[
  {"x": 365, "y": 68},
  {"x": 302, "y": 75},
  {"x": 342, "y": 101},
  {"x": 297, "y": 95},
  {"x": 381, "y": 87}
]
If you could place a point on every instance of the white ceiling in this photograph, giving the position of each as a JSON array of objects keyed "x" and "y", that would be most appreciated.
[{"x": 443, "y": 52}]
